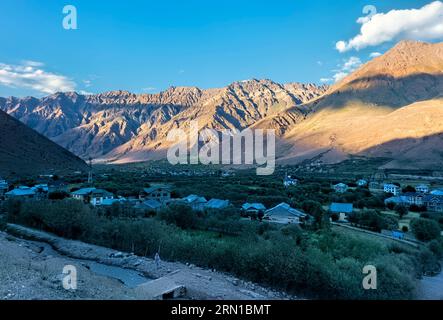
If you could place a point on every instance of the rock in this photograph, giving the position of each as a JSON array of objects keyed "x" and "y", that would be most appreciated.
[{"x": 117, "y": 255}]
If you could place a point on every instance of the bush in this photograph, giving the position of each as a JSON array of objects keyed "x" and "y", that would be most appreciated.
[
  {"x": 181, "y": 215},
  {"x": 425, "y": 229},
  {"x": 58, "y": 195},
  {"x": 436, "y": 246},
  {"x": 373, "y": 220},
  {"x": 3, "y": 223},
  {"x": 401, "y": 210}
]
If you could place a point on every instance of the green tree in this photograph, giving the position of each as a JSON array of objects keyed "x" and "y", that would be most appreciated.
[
  {"x": 401, "y": 210},
  {"x": 409, "y": 189},
  {"x": 425, "y": 229}
]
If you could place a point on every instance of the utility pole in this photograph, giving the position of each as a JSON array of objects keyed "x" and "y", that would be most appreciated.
[{"x": 90, "y": 172}]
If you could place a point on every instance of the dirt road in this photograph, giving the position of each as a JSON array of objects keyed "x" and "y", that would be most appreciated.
[
  {"x": 33, "y": 270},
  {"x": 431, "y": 288}
]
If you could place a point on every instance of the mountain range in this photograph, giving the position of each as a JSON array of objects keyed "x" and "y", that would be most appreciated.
[{"x": 390, "y": 107}]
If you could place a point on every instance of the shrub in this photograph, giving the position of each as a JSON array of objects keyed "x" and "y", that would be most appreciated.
[
  {"x": 425, "y": 229},
  {"x": 58, "y": 195},
  {"x": 436, "y": 246},
  {"x": 401, "y": 210}
]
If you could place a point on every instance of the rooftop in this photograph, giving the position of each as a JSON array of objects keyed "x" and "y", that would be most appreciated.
[
  {"x": 341, "y": 207},
  {"x": 217, "y": 203},
  {"x": 83, "y": 191},
  {"x": 254, "y": 206},
  {"x": 285, "y": 207}
]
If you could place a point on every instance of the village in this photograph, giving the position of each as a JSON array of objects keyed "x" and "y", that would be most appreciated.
[
  {"x": 404, "y": 202},
  {"x": 215, "y": 217}
]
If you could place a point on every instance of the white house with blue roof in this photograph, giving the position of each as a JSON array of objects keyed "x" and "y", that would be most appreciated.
[
  {"x": 94, "y": 196},
  {"x": 284, "y": 214},
  {"x": 196, "y": 202}
]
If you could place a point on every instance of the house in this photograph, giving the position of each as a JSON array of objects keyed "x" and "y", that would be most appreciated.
[
  {"x": 342, "y": 210},
  {"x": 195, "y": 202},
  {"x": 92, "y": 195},
  {"x": 407, "y": 199},
  {"x": 82, "y": 194},
  {"x": 392, "y": 188},
  {"x": 109, "y": 202},
  {"x": 375, "y": 187},
  {"x": 161, "y": 193},
  {"x": 362, "y": 183},
  {"x": 21, "y": 192},
  {"x": 217, "y": 204},
  {"x": 253, "y": 208},
  {"x": 99, "y": 196},
  {"x": 150, "y": 205},
  {"x": 414, "y": 198},
  {"x": 434, "y": 203},
  {"x": 422, "y": 188},
  {"x": 340, "y": 188},
  {"x": 288, "y": 181},
  {"x": 284, "y": 214},
  {"x": 399, "y": 200}
]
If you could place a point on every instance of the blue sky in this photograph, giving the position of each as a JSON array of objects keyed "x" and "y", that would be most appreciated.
[{"x": 147, "y": 46}]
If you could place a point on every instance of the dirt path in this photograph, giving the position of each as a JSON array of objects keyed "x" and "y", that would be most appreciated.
[
  {"x": 200, "y": 283},
  {"x": 431, "y": 288},
  {"x": 28, "y": 273}
]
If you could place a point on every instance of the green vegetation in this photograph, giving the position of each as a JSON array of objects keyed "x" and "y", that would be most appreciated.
[
  {"x": 373, "y": 220},
  {"x": 318, "y": 264},
  {"x": 425, "y": 229}
]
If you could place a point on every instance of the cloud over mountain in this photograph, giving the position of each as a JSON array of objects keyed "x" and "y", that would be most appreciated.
[
  {"x": 30, "y": 75},
  {"x": 425, "y": 23}
]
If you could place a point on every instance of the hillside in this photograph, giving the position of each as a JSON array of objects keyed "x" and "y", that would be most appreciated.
[
  {"x": 24, "y": 151},
  {"x": 390, "y": 107}
]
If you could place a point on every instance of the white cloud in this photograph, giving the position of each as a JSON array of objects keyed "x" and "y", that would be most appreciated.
[
  {"x": 348, "y": 66},
  {"x": 375, "y": 55},
  {"x": 326, "y": 80},
  {"x": 149, "y": 89},
  {"x": 87, "y": 83},
  {"x": 30, "y": 75},
  {"x": 423, "y": 24},
  {"x": 31, "y": 63},
  {"x": 351, "y": 64},
  {"x": 86, "y": 93},
  {"x": 339, "y": 76}
]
